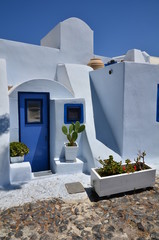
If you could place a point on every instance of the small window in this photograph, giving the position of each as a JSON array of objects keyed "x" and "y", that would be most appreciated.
[
  {"x": 73, "y": 113},
  {"x": 33, "y": 110},
  {"x": 157, "y": 115}
]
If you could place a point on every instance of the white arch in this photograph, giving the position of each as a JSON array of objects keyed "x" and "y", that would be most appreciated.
[{"x": 56, "y": 90}]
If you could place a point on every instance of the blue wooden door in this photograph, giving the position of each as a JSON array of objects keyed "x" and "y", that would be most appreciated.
[{"x": 34, "y": 128}]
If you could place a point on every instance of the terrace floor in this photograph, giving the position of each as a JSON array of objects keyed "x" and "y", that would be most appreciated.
[{"x": 42, "y": 209}]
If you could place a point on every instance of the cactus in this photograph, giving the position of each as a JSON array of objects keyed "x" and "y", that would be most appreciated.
[{"x": 72, "y": 132}]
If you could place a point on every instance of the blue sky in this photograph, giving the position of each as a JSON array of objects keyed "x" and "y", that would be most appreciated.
[{"x": 118, "y": 25}]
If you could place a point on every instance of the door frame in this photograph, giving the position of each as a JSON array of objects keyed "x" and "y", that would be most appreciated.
[{"x": 48, "y": 116}]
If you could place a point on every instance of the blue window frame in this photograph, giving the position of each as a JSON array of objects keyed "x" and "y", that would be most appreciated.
[
  {"x": 157, "y": 114},
  {"x": 33, "y": 111},
  {"x": 73, "y": 113}
]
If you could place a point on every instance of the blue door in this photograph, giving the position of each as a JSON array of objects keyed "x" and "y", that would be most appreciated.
[{"x": 34, "y": 128}]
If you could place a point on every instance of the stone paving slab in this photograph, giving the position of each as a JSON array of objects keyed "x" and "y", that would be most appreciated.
[
  {"x": 75, "y": 187},
  {"x": 134, "y": 216}
]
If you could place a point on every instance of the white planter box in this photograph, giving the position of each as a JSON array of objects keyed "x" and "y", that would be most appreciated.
[
  {"x": 18, "y": 159},
  {"x": 106, "y": 186},
  {"x": 71, "y": 153}
]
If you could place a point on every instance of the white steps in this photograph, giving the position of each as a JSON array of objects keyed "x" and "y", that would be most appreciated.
[{"x": 63, "y": 167}]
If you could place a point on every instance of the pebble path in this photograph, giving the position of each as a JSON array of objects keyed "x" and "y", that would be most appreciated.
[{"x": 132, "y": 216}]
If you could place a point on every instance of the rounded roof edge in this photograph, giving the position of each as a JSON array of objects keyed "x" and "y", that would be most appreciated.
[{"x": 75, "y": 19}]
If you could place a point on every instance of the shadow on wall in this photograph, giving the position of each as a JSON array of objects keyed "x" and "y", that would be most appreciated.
[
  {"x": 4, "y": 123},
  {"x": 104, "y": 132}
]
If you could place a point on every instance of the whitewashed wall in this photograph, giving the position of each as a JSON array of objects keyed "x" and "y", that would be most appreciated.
[
  {"x": 79, "y": 82},
  {"x": 126, "y": 100},
  {"x": 4, "y": 127},
  {"x": 74, "y": 38},
  {"x": 141, "y": 131},
  {"x": 26, "y": 61},
  {"x": 108, "y": 101},
  {"x": 57, "y": 138}
]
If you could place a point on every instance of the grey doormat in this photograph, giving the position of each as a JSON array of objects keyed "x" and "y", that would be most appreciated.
[
  {"x": 75, "y": 187},
  {"x": 42, "y": 174}
]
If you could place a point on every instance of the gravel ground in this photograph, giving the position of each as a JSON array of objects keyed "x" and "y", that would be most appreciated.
[{"x": 127, "y": 216}]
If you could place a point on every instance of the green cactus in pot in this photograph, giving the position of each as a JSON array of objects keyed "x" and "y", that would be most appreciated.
[{"x": 72, "y": 132}]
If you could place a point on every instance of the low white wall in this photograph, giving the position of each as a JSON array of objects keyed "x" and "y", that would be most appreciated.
[{"x": 4, "y": 127}]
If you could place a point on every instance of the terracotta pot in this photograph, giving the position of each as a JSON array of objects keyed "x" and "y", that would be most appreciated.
[{"x": 96, "y": 63}]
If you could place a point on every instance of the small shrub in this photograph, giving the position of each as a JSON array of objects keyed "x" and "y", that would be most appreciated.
[
  {"x": 18, "y": 149},
  {"x": 111, "y": 167}
]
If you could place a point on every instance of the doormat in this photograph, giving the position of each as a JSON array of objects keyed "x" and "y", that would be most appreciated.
[
  {"x": 75, "y": 187},
  {"x": 42, "y": 174}
]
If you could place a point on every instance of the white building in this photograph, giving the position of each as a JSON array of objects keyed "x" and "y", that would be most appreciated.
[{"x": 118, "y": 103}]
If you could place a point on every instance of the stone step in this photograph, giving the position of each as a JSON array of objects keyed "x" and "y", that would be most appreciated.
[{"x": 63, "y": 167}]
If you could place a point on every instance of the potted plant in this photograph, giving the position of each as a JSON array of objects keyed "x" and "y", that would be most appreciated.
[
  {"x": 17, "y": 152},
  {"x": 113, "y": 177},
  {"x": 71, "y": 148}
]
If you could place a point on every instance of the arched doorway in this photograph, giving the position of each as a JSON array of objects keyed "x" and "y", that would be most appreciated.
[{"x": 30, "y": 118}]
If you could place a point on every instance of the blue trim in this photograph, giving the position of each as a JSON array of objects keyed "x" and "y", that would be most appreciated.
[
  {"x": 71, "y": 106},
  {"x": 19, "y": 115},
  {"x": 37, "y": 94},
  {"x": 157, "y": 112}
]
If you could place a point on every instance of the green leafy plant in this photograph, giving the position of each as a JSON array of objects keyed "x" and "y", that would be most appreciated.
[
  {"x": 111, "y": 167},
  {"x": 129, "y": 167},
  {"x": 72, "y": 132},
  {"x": 18, "y": 149}
]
